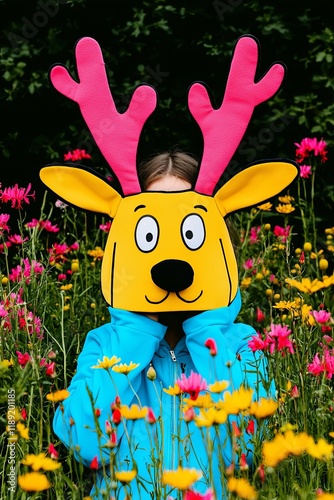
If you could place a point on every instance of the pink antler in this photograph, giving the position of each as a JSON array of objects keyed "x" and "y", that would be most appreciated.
[
  {"x": 116, "y": 134},
  {"x": 224, "y": 128}
]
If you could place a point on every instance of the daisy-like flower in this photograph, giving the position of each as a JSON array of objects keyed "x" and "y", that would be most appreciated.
[
  {"x": 76, "y": 155},
  {"x": 202, "y": 401},
  {"x": 173, "y": 390},
  {"x": 193, "y": 384},
  {"x": 263, "y": 408},
  {"x": 322, "y": 316},
  {"x": 125, "y": 476},
  {"x": 321, "y": 450},
  {"x": 23, "y": 430},
  {"x": 57, "y": 396},
  {"x": 311, "y": 145},
  {"x": 219, "y": 386},
  {"x": 242, "y": 488},
  {"x": 33, "y": 481},
  {"x": 181, "y": 478},
  {"x": 239, "y": 400},
  {"x": 124, "y": 368},
  {"x": 266, "y": 207},
  {"x": 285, "y": 208},
  {"x": 210, "y": 416},
  {"x": 133, "y": 412},
  {"x": 97, "y": 253},
  {"x": 284, "y": 304},
  {"x": 308, "y": 286},
  {"x": 107, "y": 362},
  {"x": 40, "y": 461}
]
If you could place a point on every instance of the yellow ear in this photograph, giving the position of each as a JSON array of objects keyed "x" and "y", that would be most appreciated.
[
  {"x": 82, "y": 189},
  {"x": 255, "y": 184}
]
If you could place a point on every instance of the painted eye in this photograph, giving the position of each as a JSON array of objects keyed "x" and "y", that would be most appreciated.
[
  {"x": 193, "y": 231},
  {"x": 147, "y": 233}
]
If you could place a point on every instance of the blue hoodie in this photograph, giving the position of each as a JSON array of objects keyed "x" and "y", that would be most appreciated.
[{"x": 135, "y": 337}]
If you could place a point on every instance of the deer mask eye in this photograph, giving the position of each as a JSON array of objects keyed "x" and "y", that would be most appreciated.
[
  {"x": 147, "y": 233},
  {"x": 193, "y": 231}
]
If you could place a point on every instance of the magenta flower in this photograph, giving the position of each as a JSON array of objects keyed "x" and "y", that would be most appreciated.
[
  {"x": 105, "y": 227},
  {"x": 192, "y": 384},
  {"x": 16, "y": 239},
  {"x": 254, "y": 234},
  {"x": 311, "y": 145},
  {"x": 324, "y": 365},
  {"x": 282, "y": 232},
  {"x": 260, "y": 316},
  {"x": 321, "y": 317},
  {"x": 305, "y": 171},
  {"x": 280, "y": 335},
  {"x": 211, "y": 344},
  {"x": 194, "y": 495},
  {"x": 76, "y": 155},
  {"x": 249, "y": 264},
  {"x": 16, "y": 195},
  {"x": 23, "y": 359},
  {"x": 257, "y": 343},
  {"x": 4, "y": 218}
]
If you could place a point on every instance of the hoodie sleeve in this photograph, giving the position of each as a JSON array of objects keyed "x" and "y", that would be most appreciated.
[
  {"x": 130, "y": 337},
  {"x": 234, "y": 361}
]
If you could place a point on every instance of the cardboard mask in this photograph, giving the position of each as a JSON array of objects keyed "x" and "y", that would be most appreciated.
[{"x": 168, "y": 251}]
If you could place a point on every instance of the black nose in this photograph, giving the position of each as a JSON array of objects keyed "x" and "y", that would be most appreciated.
[{"x": 172, "y": 275}]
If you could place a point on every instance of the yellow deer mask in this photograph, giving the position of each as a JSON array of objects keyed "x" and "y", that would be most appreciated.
[{"x": 168, "y": 251}]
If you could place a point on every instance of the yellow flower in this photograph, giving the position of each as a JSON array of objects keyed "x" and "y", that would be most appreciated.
[
  {"x": 66, "y": 287},
  {"x": 125, "y": 476},
  {"x": 283, "y": 304},
  {"x": 181, "y": 479},
  {"x": 308, "y": 286},
  {"x": 4, "y": 280},
  {"x": 242, "y": 488},
  {"x": 23, "y": 430},
  {"x": 306, "y": 316},
  {"x": 210, "y": 416},
  {"x": 40, "y": 461},
  {"x": 263, "y": 408},
  {"x": 323, "y": 264},
  {"x": 288, "y": 426},
  {"x": 202, "y": 401},
  {"x": 296, "y": 444},
  {"x": 320, "y": 450},
  {"x": 58, "y": 395},
  {"x": 173, "y": 390},
  {"x": 33, "y": 481},
  {"x": 286, "y": 199},
  {"x": 238, "y": 401},
  {"x": 5, "y": 364},
  {"x": 219, "y": 386},
  {"x": 75, "y": 266},
  {"x": 245, "y": 282},
  {"x": 307, "y": 246},
  {"x": 107, "y": 362},
  {"x": 133, "y": 412},
  {"x": 265, "y": 206},
  {"x": 324, "y": 496},
  {"x": 124, "y": 368},
  {"x": 274, "y": 451},
  {"x": 97, "y": 253},
  {"x": 285, "y": 209}
]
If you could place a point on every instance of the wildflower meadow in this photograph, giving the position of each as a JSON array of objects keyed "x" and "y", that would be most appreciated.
[{"x": 50, "y": 298}]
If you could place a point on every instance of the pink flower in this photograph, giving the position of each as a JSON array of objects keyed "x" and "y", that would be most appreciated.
[
  {"x": 16, "y": 239},
  {"x": 305, "y": 171},
  {"x": 294, "y": 392},
  {"x": 282, "y": 232},
  {"x": 321, "y": 317},
  {"x": 260, "y": 316},
  {"x": 76, "y": 154},
  {"x": 94, "y": 463},
  {"x": 151, "y": 418},
  {"x": 192, "y": 384},
  {"x": 249, "y": 264},
  {"x": 211, "y": 344},
  {"x": 253, "y": 234},
  {"x": 4, "y": 218},
  {"x": 53, "y": 452},
  {"x": 47, "y": 225},
  {"x": 325, "y": 365},
  {"x": 50, "y": 369},
  {"x": 105, "y": 227},
  {"x": 257, "y": 343},
  {"x": 61, "y": 277},
  {"x": 61, "y": 205},
  {"x": 194, "y": 495},
  {"x": 309, "y": 145},
  {"x": 23, "y": 359},
  {"x": 280, "y": 335},
  {"x": 16, "y": 195}
]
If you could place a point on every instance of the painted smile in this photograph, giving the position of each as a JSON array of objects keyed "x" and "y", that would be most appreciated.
[{"x": 178, "y": 296}]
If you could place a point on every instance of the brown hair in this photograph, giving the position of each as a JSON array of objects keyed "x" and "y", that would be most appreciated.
[
  {"x": 185, "y": 167},
  {"x": 177, "y": 163}
]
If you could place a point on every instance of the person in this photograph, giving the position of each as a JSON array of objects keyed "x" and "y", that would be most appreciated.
[{"x": 165, "y": 347}]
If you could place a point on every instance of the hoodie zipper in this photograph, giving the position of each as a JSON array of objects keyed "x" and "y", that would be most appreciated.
[{"x": 174, "y": 413}]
